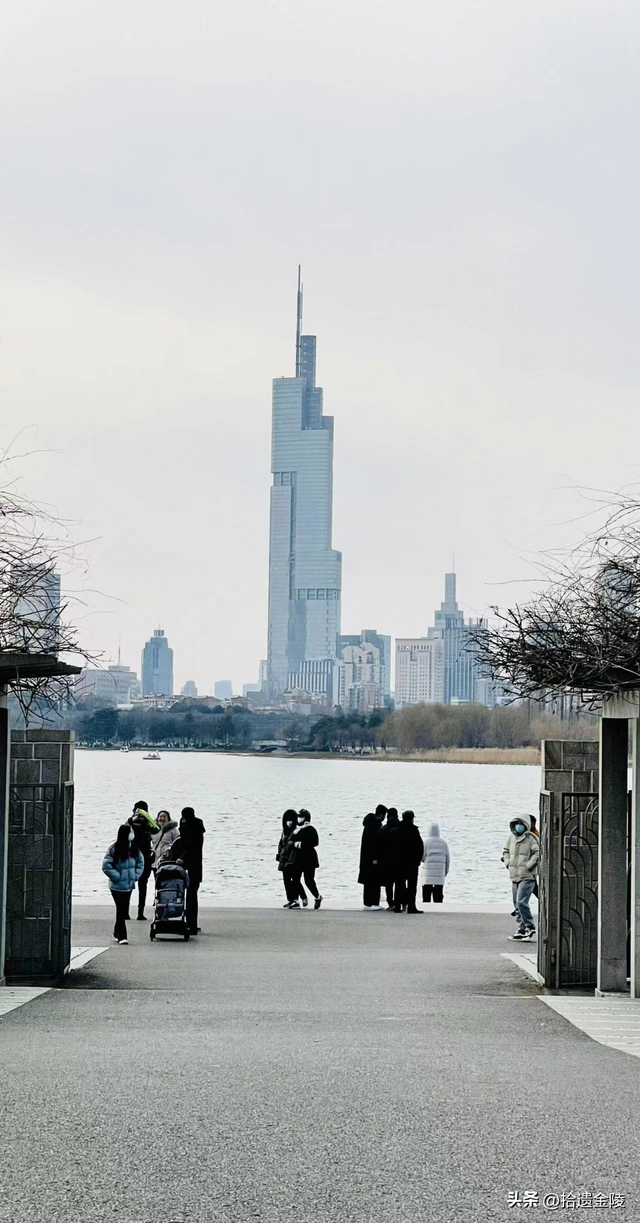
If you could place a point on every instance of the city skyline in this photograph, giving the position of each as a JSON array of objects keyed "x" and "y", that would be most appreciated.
[{"x": 457, "y": 299}]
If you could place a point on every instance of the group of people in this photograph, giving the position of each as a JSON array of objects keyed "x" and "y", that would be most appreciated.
[
  {"x": 297, "y": 858},
  {"x": 392, "y": 853},
  {"x": 142, "y": 846}
]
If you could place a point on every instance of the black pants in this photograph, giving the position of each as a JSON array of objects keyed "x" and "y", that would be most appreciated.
[
  {"x": 191, "y": 906},
  {"x": 309, "y": 878},
  {"x": 406, "y": 888},
  {"x": 291, "y": 880},
  {"x": 142, "y": 886},
  {"x": 389, "y": 888},
  {"x": 121, "y": 900},
  {"x": 437, "y": 889},
  {"x": 371, "y": 893}
]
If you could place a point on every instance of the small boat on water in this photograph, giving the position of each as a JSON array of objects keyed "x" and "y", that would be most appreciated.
[
  {"x": 124, "y": 749},
  {"x": 152, "y": 756}
]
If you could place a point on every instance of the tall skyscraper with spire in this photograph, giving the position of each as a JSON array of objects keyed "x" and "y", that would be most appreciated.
[{"x": 305, "y": 572}]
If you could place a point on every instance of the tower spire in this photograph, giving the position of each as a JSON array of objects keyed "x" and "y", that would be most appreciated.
[{"x": 298, "y": 322}]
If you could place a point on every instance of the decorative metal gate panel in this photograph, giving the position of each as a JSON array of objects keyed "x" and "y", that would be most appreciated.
[
  {"x": 546, "y": 961},
  {"x": 577, "y": 892},
  {"x": 38, "y": 920}
]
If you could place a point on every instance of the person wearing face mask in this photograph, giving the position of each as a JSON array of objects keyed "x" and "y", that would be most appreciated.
[
  {"x": 286, "y": 857},
  {"x": 521, "y": 855},
  {"x": 306, "y": 839}
]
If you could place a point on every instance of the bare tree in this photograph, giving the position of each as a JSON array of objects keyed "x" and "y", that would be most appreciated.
[
  {"x": 580, "y": 632},
  {"x": 34, "y": 546}
]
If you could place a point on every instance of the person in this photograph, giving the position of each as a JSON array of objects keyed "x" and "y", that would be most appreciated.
[
  {"x": 286, "y": 857},
  {"x": 369, "y": 873},
  {"x": 191, "y": 844},
  {"x": 386, "y": 858},
  {"x": 162, "y": 842},
  {"x": 306, "y": 840},
  {"x": 521, "y": 854},
  {"x": 409, "y": 848},
  {"x": 435, "y": 866},
  {"x": 123, "y": 865},
  {"x": 144, "y": 828}
]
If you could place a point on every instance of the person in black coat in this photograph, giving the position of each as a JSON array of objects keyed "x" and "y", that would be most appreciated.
[
  {"x": 386, "y": 854},
  {"x": 190, "y": 845},
  {"x": 306, "y": 840},
  {"x": 408, "y": 847},
  {"x": 286, "y": 858},
  {"x": 369, "y": 874},
  {"x": 144, "y": 828}
]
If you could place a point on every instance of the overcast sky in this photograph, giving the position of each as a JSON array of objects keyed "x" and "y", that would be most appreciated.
[{"x": 458, "y": 178}]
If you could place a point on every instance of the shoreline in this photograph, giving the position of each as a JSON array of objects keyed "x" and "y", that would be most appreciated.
[{"x": 439, "y": 755}]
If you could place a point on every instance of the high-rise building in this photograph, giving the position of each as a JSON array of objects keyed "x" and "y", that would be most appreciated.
[
  {"x": 223, "y": 689},
  {"x": 38, "y": 609},
  {"x": 157, "y": 666},
  {"x": 189, "y": 689},
  {"x": 419, "y": 670},
  {"x": 443, "y": 666},
  {"x": 305, "y": 572},
  {"x": 361, "y": 677},
  {"x": 383, "y": 645}
]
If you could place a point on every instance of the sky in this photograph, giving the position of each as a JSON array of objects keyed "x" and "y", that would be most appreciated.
[{"x": 460, "y": 182}]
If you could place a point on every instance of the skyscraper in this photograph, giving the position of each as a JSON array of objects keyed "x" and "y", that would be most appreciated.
[
  {"x": 460, "y": 664},
  {"x": 157, "y": 666},
  {"x": 305, "y": 573}
]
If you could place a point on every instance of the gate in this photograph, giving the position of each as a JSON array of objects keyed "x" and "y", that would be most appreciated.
[
  {"x": 38, "y": 920},
  {"x": 577, "y": 892}
]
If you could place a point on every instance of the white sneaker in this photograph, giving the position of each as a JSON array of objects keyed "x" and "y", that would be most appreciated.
[
  {"x": 123, "y": 942},
  {"x": 376, "y": 908},
  {"x": 366, "y": 907}
]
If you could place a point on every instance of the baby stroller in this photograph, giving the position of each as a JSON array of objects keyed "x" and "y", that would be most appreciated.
[{"x": 169, "y": 905}]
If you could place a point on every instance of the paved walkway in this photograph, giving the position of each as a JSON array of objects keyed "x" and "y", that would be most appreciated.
[{"x": 306, "y": 1067}]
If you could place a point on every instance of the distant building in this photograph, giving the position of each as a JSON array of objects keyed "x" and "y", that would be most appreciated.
[
  {"x": 117, "y": 685},
  {"x": 305, "y": 572},
  {"x": 419, "y": 670},
  {"x": 38, "y": 609},
  {"x": 360, "y": 678},
  {"x": 444, "y": 663},
  {"x": 223, "y": 689},
  {"x": 189, "y": 689},
  {"x": 157, "y": 666},
  {"x": 320, "y": 678},
  {"x": 383, "y": 645}
]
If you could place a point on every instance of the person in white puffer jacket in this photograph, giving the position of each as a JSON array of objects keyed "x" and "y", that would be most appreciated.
[
  {"x": 435, "y": 866},
  {"x": 521, "y": 854}
]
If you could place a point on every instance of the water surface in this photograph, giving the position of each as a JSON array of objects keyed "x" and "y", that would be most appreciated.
[{"x": 241, "y": 800}]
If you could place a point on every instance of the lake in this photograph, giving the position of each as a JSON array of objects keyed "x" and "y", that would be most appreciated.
[{"x": 241, "y": 800}]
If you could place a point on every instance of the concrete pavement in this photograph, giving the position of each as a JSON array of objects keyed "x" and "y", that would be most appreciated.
[{"x": 301, "y": 1067}]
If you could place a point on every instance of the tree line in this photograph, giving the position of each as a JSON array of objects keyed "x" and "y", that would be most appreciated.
[{"x": 413, "y": 729}]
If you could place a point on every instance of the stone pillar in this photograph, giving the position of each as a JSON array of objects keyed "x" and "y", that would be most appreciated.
[
  {"x": 38, "y": 942},
  {"x": 612, "y": 853}
]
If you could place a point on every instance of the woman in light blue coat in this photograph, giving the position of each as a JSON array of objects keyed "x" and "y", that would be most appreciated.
[
  {"x": 435, "y": 866},
  {"x": 123, "y": 865}
]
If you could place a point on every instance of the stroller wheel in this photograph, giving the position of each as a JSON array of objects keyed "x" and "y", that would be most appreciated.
[{"x": 152, "y": 932}]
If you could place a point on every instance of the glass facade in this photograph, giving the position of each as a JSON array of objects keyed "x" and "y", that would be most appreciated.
[{"x": 305, "y": 572}]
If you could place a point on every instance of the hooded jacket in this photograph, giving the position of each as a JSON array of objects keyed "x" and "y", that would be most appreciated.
[
  {"x": 369, "y": 850},
  {"x": 164, "y": 840},
  {"x": 286, "y": 854},
  {"x": 521, "y": 853},
  {"x": 435, "y": 860},
  {"x": 123, "y": 873}
]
